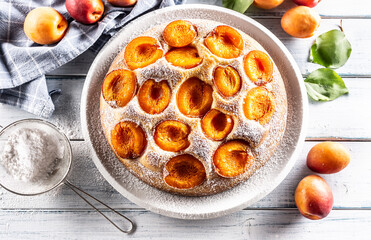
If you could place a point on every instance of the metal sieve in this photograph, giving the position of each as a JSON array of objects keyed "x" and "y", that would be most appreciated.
[{"x": 54, "y": 179}]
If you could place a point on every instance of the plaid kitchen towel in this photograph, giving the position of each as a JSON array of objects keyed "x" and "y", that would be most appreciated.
[{"x": 23, "y": 63}]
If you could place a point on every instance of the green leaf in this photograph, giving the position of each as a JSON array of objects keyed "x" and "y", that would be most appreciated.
[
  {"x": 238, "y": 5},
  {"x": 325, "y": 84},
  {"x": 331, "y": 49}
]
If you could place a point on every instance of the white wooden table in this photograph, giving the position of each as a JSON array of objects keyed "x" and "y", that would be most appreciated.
[{"x": 60, "y": 214}]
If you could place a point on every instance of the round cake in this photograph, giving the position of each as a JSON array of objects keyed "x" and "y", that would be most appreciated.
[{"x": 193, "y": 107}]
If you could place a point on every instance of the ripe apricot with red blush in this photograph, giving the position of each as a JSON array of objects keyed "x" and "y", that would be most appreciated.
[
  {"x": 328, "y": 157},
  {"x": 313, "y": 197}
]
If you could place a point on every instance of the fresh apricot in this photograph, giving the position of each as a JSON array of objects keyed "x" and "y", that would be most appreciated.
[
  {"x": 128, "y": 139},
  {"x": 184, "y": 172},
  {"x": 119, "y": 87},
  {"x": 141, "y": 52},
  {"x": 267, "y": 4},
  {"x": 328, "y": 157},
  {"x": 185, "y": 57},
  {"x": 216, "y": 124},
  {"x": 313, "y": 197},
  {"x": 85, "y": 11},
  {"x": 258, "y": 67},
  {"x": 154, "y": 97},
  {"x": 227, "y": 81},
  {"x": 194, "y": 97},
  {"x": 300, "y": 22},
  {"x": 45, "y": 25},
  {"x": 122, "y": 3},
  {"x": 259, "y": 105},
  {"x": 308, "y": 3},
  {"x": 225, "y": 42},
  {"x": 179, "y": 33},
  {"x": 172, "y": 135},
  {"x": 232, "y": 159}
]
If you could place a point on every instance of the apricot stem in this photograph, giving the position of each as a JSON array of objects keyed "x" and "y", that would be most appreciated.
[{"x": 341, "y": 25}]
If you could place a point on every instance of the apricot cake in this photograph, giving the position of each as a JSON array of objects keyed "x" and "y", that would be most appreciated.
[{"x": 193, "y": 107}]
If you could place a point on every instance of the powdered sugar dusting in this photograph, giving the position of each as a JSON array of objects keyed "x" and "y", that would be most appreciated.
[
  {"x": 263, "y": 139},
  {"x": 258, "y": 185},
  {"x": 149, "y": 167}
]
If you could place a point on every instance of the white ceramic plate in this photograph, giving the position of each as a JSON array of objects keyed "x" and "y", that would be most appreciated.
[{"x": 259, "y": 185}]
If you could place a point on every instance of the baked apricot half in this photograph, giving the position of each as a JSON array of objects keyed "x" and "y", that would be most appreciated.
[
  {"x": 128, "y": 139},
  {"x": 184, "y": 172},
  {"x": 225, "y": 42},
  {"x": 141, "y": 52},
  {"x": 194, "y": 97},
  {"x": 154, "y": 97},
  {"x": 259, "y": 105},
  {"x": 185, "y": 57},
  {"x": 172, "y": 135},
  {"x": 258, "y": 67},
  {"x": 233, "y": 158},
  {"x": 119, "y": 87},
  {"x": 179, "y": 33},
  {"x": 216, "y": 124},
  {"x": 227, "y": 81}
]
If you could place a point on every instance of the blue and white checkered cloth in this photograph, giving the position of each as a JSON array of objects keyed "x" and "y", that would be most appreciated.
[{"x": 23, "y": 63}]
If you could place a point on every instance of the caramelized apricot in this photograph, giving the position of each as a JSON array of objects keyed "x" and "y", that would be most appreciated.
[
  {"x": 194, "y": 97},
  {"x": 179, "y": 33},
  {"x": 171, "y": 135},
  {"x": 258, "y": 67},
  {"x": 185, "y": 57},
  {"x": 154, "y": 97},
  {"x": 259, "y": 105},
  {"x": 232, "y": 159},
  {"x": 141, "y": 52},
  {"x": 216, "y": 124},
  {"x": 119, "y": 87},
  {"x": 225, "y": 42},
  {"x": 128, "y": 139},
  {"x": 227, "y": 81},
  {"x": 184, "y": 172}
]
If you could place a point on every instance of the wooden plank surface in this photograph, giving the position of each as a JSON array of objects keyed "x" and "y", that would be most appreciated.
[
  {"x": 60, "y": 214},
  {"x": 357, "y": 31},
  {"x": 349, "y": 186},
  {"x": 247, "y": 224}
]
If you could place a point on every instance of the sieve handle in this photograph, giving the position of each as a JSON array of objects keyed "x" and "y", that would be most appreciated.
[{"x": 79, "y": 192}]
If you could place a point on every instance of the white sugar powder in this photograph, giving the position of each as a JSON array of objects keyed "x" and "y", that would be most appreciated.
[{"x": 31, "y": 154}]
